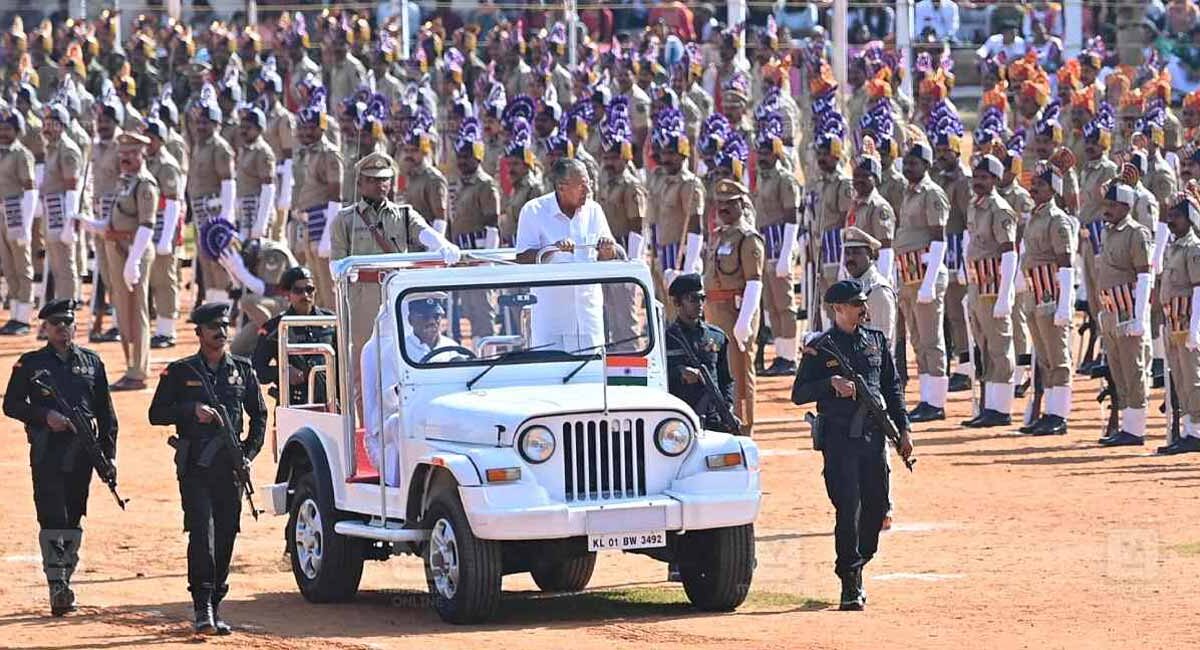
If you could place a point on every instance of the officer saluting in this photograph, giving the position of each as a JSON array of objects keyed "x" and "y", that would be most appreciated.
[
  {"x": 204, "y": 465},
  {"x": 691, "y": 340},
  {"x": 856, "y": 470},
  {"x": 61, "y": 473}
]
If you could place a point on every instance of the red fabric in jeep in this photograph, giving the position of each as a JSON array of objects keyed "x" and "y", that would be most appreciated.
[{"x": 365, "y": 471}]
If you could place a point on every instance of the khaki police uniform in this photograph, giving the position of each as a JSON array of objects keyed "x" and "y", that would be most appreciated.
[
  {"x": 882, "y": 306},
  {"x": 231, "y": 130},
  {"x": 1161, "y": 179},
  {"x": 211, "y": 163},
  {"x": 281, "y": 136},
  {"x": 136, "y": 206},
  {"x": 674, "y": 212},
  {"x": 427, "y": 191},
  {"x": 493, "y": 154},
  {"x": 957, "y": 186},
  {"x": 476, "y": 208},
  {"x": 1048, "y": 236},
  {"x": 352, "y": 153},
  {"x": 1021, "y": 202},
  {"x": 623, "y": 198},
  {"x": 1127, "y": 247},
  {"x": 1095, "y": 177},
  {"x": 270, "y": 262},
  {"x": 776, "y": 204},
  {"x": 736, "y": 257},
  {"x": 16, "y": 176},
  {"x": 925, "y": 206},
  {"x": 164, "y": 271},
  {"x": 992, "y": 224},
  {"x": 106, "y": 179},
  {"x": 528, "y": 187},
  {"x": 1181, "y": 272},
  {"x": 318, "y": 174},
  {"x": 345, "y": 77},
  {"x": 834, "y": 194},
  {"x": 64, "y": 161},
  {"x": 255, "y": 168}
]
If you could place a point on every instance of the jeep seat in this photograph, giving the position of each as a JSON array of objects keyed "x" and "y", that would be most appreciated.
[{"x": 364, "y": 470}]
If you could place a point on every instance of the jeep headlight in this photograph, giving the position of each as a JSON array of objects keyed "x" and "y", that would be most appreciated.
[
  {"x": 673, "y": 437},
  {"x": 536, "y": 444}
]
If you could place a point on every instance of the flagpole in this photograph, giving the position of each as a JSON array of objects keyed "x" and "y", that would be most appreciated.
[{"x": 604, "y": 375}]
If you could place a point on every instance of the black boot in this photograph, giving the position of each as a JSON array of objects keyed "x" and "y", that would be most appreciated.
[
  {"x": 959, "y": 383},
  {"x": 780, "y": 367},
  {"x": 221, "y": 626},
  {"x": 926, "y": 412},
  {"x": 852, "y": 598},
  {"x": 54, "y": 563},
  {"x": 202, "y": 607},
  {"x": 1050, "y": 425}
]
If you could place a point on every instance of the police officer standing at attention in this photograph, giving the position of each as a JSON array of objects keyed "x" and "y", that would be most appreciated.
[
  {"x": 856, "y": 470},
  {"x": 18, "y": 196},
  {"x": 689, "y": 339},
  {"x": 297, "y": 284},
  {"x": 61, "y": 473},
  {"x": 212, "y": 502}
]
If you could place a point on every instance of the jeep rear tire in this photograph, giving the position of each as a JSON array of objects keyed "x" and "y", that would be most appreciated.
[
  {"x": 571, "y": 574},
  {"x": 327, "y": 566},
  {"x": 463, "y": 572},
  {"x": 717, "y": 566}
]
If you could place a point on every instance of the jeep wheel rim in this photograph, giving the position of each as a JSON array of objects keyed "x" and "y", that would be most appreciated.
[
  {"x": 310, "y": 538},
  {"x": 443, "y": 558}
]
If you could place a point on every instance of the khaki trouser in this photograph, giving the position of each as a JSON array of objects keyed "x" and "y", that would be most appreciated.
[
  {"x": 1052, "y": 345},
  {"x": 723, "y": 314},
  {"x": 61, "y": 261},
  {"x": 956, "y": 320},
  {"x": 164, "y": 285},
  {"x": 993, "y": 336},
  {"x": 258, "y": 310},
  {"x": 323, "y": 278},
  {"x": 1128, "y": 361},
  {"x": 825, "y": 279},
  {"x": 275, "y": 229},
  {"x": 779, "y": 301},
  {"x": 621, "y": 313},
  {"x": 1185, "y": 374},
  {"x": 660, "y": 290},
  {"x": 17, "y": 264},
  {"x": 923, "y": 326},
  {"x": 132, "y": 306},
  {"x": 479, "y": 308},
  {"x": 1020, "y": 322},
  {"x": 297, "y": 241}
]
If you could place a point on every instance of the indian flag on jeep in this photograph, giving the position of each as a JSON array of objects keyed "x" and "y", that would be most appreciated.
[{"x": 626, "y": 371}]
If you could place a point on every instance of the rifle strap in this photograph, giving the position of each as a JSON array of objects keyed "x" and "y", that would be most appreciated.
[{"x": 376, "y": 233}]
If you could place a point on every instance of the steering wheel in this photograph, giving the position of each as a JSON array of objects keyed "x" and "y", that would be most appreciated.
[{"x": 448, "y": 348}]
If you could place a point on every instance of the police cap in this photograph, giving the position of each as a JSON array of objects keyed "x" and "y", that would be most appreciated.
[
  {"x": 129, "y": 141},
  {"x": 854, "y": 237},
  {"x": 845, "y": 292},
  {"x": 62, "y": 306},
  {"x": 211, "y": 313},
  {"x": 377, "y": 165},
  {"x": 293, "y": 275},
  {"x": 686, "y": 284},
  {"x": 728, "y": 189},
  {"x": 427, "y": 307}
]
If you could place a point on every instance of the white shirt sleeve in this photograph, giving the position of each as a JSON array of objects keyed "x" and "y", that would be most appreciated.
[
  {"x": 529, "y": 231},
  {"x": 600, "y": 227}
]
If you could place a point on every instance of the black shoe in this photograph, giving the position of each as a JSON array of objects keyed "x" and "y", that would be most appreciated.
[
  {"x": 1182, "y": 446},
  {"x": 161, "y": 341},
  {"x": 780, "y": 367},
  {"x": 1050, "y": 425},
  {"x": 1021, "y": 389},
  {"x": 14, "y": 328},
  {"x": 926, "y": 412},
  {"x": 1123, "y": 439},
  {"x": 959, "y": 383},
  {"x": 1029, "y": 428},
  {"x": 110, "y": 336},
  {"x": 62, "y": 599},
  {"x": 203, "y": 622},
  {"x": 1156, "y": 373},
  {"x": 852, "y": 598},
  {"x": 989, "y": 418}
]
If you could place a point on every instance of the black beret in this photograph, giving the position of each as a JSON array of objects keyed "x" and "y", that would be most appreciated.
[
  {"x": 57, "y": 307},
  {"x": 844, "y": 292},
  {"x": 293, "y": 275},
  {"x": 685, "y": 284},
  {"x": 212, "y": 312},
  {"x": 427, "y": 307}
]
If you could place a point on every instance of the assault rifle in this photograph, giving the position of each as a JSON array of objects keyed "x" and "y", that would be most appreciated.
[
  {"x": 724, "y": 413},
  {"x": 870, "y": 403},
  {"x": 85, "y": 432},
  {"x": 230, "y": 440}
]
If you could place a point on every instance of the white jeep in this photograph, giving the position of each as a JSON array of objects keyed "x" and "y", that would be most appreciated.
[{"x": 530, "y": 449}]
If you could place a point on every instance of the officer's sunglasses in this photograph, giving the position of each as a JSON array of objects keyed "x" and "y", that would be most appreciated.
[
  {"x": 310, "y": 290},
  {"x": 61, "y": 321},
  {"x": 694, "y": 297}
]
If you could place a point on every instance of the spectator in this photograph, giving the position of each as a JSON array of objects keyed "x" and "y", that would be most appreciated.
[
  {"x": 1007, "y": 41},
  {"x": 1004, "y": 14},
  {"x": 878, "y": 21},
  {"x": 1184, "y": 64},
  {"x": 487, "y": 15},
  {"x": 1048, "y": 14},
  {"x": 705, "y": 22},
  {"x": 600, "y": 23},
  {"x": 1182, "y": 16},
  {"x": 940, "y": 16},
  {"x": 799, "y": 17},
  {"x": 1049, "y": 47},
  {"x": 678, "y": 18}
]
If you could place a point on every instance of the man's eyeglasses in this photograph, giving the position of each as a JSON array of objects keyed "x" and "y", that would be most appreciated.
[
  {"x": 61, "y": 321},
  {"x": 693, "y": 297},
  {"x": 309, "y": 290}
]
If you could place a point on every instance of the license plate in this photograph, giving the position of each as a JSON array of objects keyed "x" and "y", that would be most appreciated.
[{"x": 626, "y": 541}]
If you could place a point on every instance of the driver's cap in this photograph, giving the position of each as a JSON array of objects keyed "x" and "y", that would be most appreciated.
[{"x": 427, "y": 307}]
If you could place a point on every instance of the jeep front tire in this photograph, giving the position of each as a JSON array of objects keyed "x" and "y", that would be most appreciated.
[
  {"x": 717, "y": 566},
  {"x": 463, "y": 572},
  {"x": 327, "y": 566},
  {"x": 571, "y": 574}
]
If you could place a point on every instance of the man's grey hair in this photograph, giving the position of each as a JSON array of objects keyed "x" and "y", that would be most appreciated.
[{"x": 565, "y": 169}]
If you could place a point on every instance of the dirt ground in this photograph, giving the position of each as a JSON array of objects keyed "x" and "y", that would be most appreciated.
[{"x": 1000, "y": 541}]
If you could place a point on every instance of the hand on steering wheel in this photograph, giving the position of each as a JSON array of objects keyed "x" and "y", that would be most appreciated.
[{"x": 448, "y": 348}]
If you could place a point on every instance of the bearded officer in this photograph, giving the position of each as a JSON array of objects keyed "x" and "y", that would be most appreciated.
[
  {"x": 989, "y": 250},
  {"x": 860, "y": 254},
  {"x": 60, "y": 196},
  {"x": 61, "y": 475},
  {"x": 211, "y": 190},
  {"x": 204, "y": 464},
  {"x": 1180, "y": 295},
  {"x": 255, "y": 176},
  {"x": 733, "y": 283},
  {"x": 164, "y": 271},
  {"x": 19, "y": 194},
  {"x": 777, "y": 204},
  {"x": 318, "y": 193}
]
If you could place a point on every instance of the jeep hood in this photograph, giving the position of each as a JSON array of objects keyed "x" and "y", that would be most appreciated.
[{"x": 473, "y": 416}]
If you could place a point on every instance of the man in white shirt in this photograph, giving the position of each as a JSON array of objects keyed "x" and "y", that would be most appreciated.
[
  {"x": 1008, "y": 41},
  {"x": 939, "y": 15},
  {"x": 571, "y": 317}
]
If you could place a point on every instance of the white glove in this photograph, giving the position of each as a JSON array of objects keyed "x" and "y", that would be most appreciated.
[
  {"x": 266, "y": 203},
  {"x": 228, "y": 200},
  {"x": 933, "y": 264},
  {"x": 783, "y": 267},
  {"x": 170, "y": 222},
  {"x": 132, "y": 272},
  {"x": 886, "y": 263},
  {"x": 286, "y": 183},
  {"x": 1019, "y": 281},
  {"x": 39, "y": 174},
  {"x": 94, "y": 226},
  {"x": 751, "y": 296},
  {"x": 29, "y": 202},
  {"x": 635, "y": 248},
  {"x": 236, "y": 266},
  {"x": 70, "y": 205},
  {"x": 451, "y": 254},
  {"x": 692, "y": 261},
  {"x": 1141, "y": 305},
  {"x": 1004, "y": 297},
  {"x": 1193, "y": 338},
  {"x": 433, "y": 240},
  {"x": 440, "y": 226},
  {"x": 326, "y": 244},
  {"x": 491, "y": 237},
  {"x": 1161, "y": 234},
  {"x": 67, "y": 235},
  {"x": 1066, "y": 296}
]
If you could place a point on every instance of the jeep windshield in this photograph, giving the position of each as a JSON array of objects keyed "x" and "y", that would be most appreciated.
[{"x": 523, "y": 323}]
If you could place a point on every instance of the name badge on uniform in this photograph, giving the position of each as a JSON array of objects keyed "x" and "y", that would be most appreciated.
[
  {"x": 832, "y": 363},
  {"x": 191, "y": 383},
  {"x": 725, "y": 249}
]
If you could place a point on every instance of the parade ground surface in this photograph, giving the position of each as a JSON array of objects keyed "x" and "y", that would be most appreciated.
[{"x": 1000, "y": 541}]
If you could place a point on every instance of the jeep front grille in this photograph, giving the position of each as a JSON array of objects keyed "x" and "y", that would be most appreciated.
[{"x": 604, "y": 459}]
